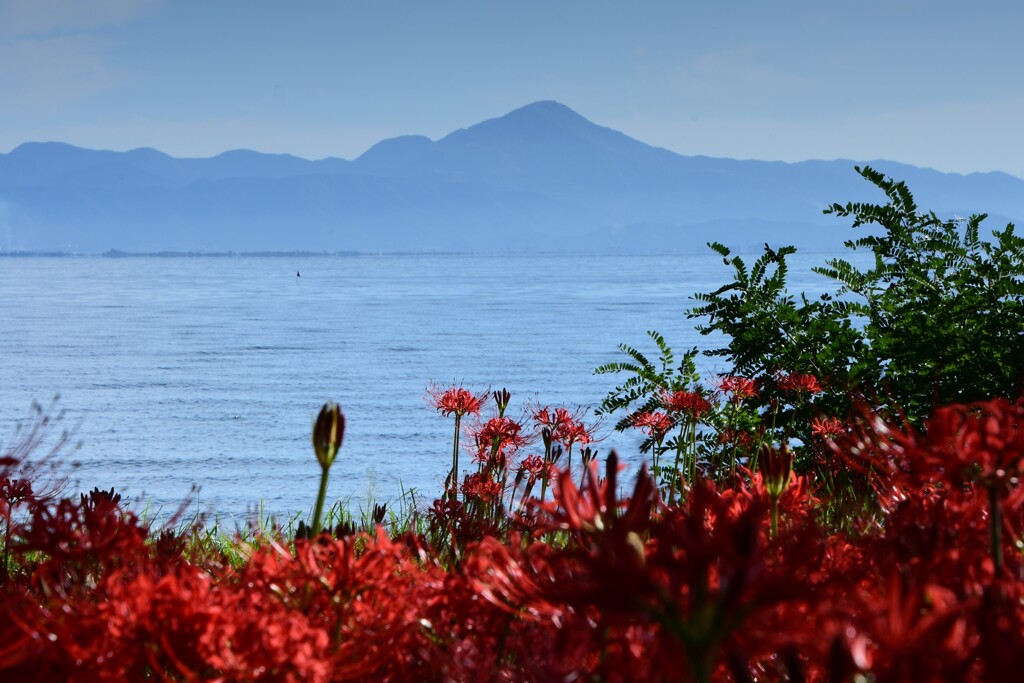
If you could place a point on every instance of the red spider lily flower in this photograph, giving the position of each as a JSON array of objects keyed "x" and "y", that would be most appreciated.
[
  {"x": 688, "y": 402},
  {"x": 653, "y": 424},
  {"x": 551, "y": 471},
  {"x": 532, "y": 464},
  {"x": 532, "y": 467},
  {"x": 982, "y": 442},
  {"x": 916, "y": 632},
  {"x": 455, "y": 401},
  {"x": 458, "y": 402},
  {"x": 79, "y": 537},
  {"x": 574, "y": 432},
  {"x": 595, "y": 508},
  {"x": 481, "y": 487},
  {"x": 877, "y": 449},
  {"x": 552, "y": 419},
  {"x": 979, "y": 443},
  {"x": 799, "y": 384},
  {"x": 796, "y": 499},
  {"x": 740, "y": 387},
  {"x": 500, "y": 435},
  {"x": 827, "y": 428}
]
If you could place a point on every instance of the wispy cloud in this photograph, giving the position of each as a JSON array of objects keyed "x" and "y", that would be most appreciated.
[
  {"x": 26, "y": 19},
  {"x": 743, "y": 66},
  {"x": 52, "y": 52},
  {"x": 53, "y": 71}
]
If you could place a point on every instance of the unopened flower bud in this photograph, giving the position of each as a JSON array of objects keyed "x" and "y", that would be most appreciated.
[
  {"x": 328, "y": 432},
  {"x": 636, "y": 544},
  {"x": 501, "y": 399},
  {"x": 776, "y": 467}
]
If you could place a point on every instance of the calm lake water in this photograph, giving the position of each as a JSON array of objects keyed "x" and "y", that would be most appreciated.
[{"x": 206, "y": 372}]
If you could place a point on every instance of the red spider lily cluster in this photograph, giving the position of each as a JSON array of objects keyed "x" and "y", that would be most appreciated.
[
  {"x": 653, "y": 423},
  {"x": 689, "y": 403},
  {"x": 799, "y": 384},
  {"x": 714, "y": 431},
  {"x": 827, "y": 427},
  {"x": 607, "y": 580},
  {"x": 564, "y": 427},
  {"x": 456, "y": 401},
  {"x": 737, "y": 387}
]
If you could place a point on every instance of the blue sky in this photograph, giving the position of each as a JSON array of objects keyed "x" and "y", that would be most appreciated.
[{"x": 938, "y": 84}]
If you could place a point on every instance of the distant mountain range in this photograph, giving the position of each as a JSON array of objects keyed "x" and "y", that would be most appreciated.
[{"x": 539, "y": 178}]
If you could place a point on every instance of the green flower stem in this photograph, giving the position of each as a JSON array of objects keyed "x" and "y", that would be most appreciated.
[
  {"x": 544, "y": 474},
  {"x": 760, "y": 441},
  {"x": 320, "y": 497},
  {"x": 454, "y": 490},
  {"x": 775, "y": 518},
  {"x": 995, "y": 526},
  {"x": 693, "y": 450},
  {"x": 675, "y": 470},
  {"x": 732, "y": 446}
]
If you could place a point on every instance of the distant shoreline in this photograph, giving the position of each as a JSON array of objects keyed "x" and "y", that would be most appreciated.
[{"x": 115, "y": 254}]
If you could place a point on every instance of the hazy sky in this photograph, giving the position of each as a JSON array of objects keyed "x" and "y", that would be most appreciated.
[{"x": 937, "y": 83}]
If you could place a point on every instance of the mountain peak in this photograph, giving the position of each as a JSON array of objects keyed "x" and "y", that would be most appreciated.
[
  {"x": 547, "y": 109},
  {"x": 28, "y": 149},
  {"x": 543, "y": 114},
  {"x": 544, "y": 122}
]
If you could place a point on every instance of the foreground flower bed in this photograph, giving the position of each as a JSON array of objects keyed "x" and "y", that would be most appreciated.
[{"x": 594, "y": 584}]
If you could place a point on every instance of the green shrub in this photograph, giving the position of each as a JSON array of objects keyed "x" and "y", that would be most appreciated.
[{"x": 937, "y": 318}]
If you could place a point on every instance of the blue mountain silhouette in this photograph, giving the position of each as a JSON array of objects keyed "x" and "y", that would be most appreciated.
[{"x": 541, "y": 177}]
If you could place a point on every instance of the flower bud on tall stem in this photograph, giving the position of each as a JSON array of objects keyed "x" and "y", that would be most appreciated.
[
  {"x": 328, "y": 432},
  {"x": 776, "y": 468}
]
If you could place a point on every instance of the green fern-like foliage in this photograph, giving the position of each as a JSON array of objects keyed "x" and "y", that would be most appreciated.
[
  {"x": 942, "y": 308},
  {"x": 937, "y": 318},
  {"x": 767, "y": 330},
  {"x": 647, "y": 380}
]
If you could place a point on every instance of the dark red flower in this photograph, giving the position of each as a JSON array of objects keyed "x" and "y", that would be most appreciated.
[
  {"x": 500, "y": 434},
  {"x": 455, "y": 401},
  {"x": 827, "y": 427},
  {"x": 482, "y": 487},
  {"x": 981, "y": 442},
  {"x": 552, "y": 419},
  {"x": 689, "y": 402},
  {"x": 654, "y": 424},
  {"x": 532, "y": 467},
  {"x": 739, "y": 387},
  {"x": 574, "y": 432},
  {"x": 799, "y": 384}
]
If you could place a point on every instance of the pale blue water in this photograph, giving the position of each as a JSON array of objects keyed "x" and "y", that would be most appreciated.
[{"x": 208, "y": 371}]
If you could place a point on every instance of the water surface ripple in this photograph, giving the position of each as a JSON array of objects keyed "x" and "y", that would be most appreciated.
[{"x": 207, "y": 371}]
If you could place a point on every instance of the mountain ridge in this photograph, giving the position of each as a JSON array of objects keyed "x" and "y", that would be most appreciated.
[{"x": 541, "y": 173}]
